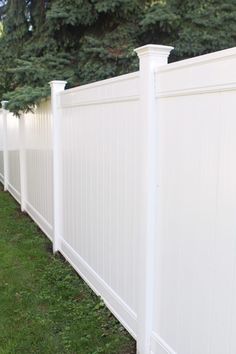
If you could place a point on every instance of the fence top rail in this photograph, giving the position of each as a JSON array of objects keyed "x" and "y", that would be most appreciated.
[
  {"x": 101, "y": 83},
  {"x": 201, "y": 60}
]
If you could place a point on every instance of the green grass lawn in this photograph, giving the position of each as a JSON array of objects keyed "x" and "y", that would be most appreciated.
[{"x": 45, "y": 307}]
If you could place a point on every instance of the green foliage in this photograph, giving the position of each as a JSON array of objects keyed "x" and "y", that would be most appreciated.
[
  {"x": 79, "y": 41},
  {"x": 88, "y": 40},
  {"x": 77, "y": 13},
  {"x": 192, "y": 27},
  {"x": 24, "y": 98},
  {"x": 107, "y": 56}
]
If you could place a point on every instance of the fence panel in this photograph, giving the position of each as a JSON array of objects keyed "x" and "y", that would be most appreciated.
[
  {"x": 195, "y": 303},
  {"x": 102, "y": 158},
  {"x": 38, "y": 166}
]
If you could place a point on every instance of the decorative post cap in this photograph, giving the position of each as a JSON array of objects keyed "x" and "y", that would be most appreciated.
[
  {"x": 57, "y": 86},
  {"x": 154, "y": 52},
  {"x": 4, "y": 103},
  {"x": 58, "y": 83},
  {"x": 151, "y": 49}
]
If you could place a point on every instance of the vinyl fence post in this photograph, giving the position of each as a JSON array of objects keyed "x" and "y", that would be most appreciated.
[
  {"x": 5, "y": 147},
  {"x": 56, "y": 88},
  {"x": 23, "y": 182},
  {"x": 150, "y": 57}
]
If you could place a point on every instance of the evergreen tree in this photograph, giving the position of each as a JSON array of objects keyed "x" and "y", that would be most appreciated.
[
  {"x": 192, "y": 27},
  {"x": 79, "y": 41},
  {"x": 87, "y": 40},
  {"x": 37, "y": 13},
  {"x": 12, "y": 41},
  {"x": 16, "y": 25}
]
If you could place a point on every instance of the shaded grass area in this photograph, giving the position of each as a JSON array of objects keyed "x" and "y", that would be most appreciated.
[{"x": 45, "y": 307}]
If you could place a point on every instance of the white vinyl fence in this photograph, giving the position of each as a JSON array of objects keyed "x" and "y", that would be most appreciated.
[
  {"x": 134, "y": 181},
  {"x": 1, "y": 148}
]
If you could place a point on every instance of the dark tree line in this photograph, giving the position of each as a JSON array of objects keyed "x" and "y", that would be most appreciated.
[{"x": 86, "y": 40}]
